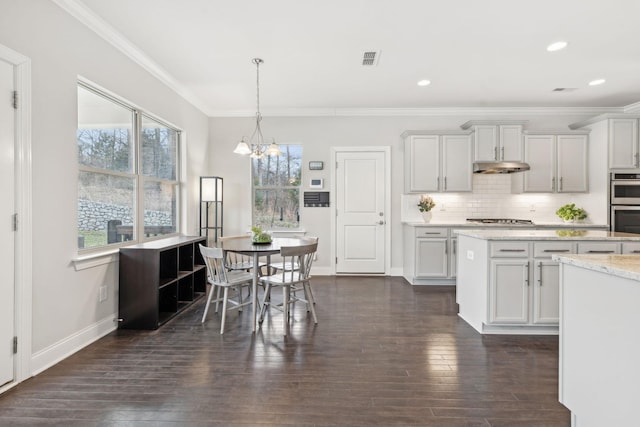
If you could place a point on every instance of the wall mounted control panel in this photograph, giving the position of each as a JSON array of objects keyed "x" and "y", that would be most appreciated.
[
  {"x": 316, "y": 199},
  {"x": 316, "y": 183}
]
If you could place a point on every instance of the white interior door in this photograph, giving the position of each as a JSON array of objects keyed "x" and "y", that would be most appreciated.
[
  {"x": 7, "y": 209},
  {"x": 361, "y": 218}
]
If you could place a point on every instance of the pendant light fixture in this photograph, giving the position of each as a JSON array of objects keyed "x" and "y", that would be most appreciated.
[{"x": 256, "y": 145}]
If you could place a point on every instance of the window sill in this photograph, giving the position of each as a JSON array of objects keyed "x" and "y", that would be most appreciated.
[
  {"x": 287, "y": 233},
  {"x": 95, "y": 259}
]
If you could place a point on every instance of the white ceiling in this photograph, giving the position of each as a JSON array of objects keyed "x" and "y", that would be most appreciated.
[{"x": 477, "y": 53}]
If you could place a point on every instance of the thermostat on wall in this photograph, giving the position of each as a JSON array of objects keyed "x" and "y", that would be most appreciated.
[{"x": 316, "y": 183}]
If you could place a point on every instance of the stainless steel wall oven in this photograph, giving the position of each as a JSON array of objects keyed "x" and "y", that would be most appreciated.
[{"x": 625, "y": 202}]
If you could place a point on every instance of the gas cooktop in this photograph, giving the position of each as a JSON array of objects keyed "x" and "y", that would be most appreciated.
[{"x": 508, "y": 221}]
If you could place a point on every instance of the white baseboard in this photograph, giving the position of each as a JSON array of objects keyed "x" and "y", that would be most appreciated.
[
  {"x": 46, "y": 358},
  {"x": 326, "y": 271}
]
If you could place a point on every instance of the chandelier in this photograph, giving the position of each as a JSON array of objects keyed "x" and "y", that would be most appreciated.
[{"x": 256, "y": 145}]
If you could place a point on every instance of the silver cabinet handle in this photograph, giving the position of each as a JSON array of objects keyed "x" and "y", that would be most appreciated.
[
  {"x": 502, "y": 151},
  {"x": 445, "y": 183},
  {"x": 540, "y": 273},
  {"x": 601, "y": 252},
  {"x": 526, "y": 273},
  {"x": 635, "y": 252},
  {"x": 555, "y": 250},
  {"x": 446, "y": 246},
  {"x": 455, "y": 246},
  {"x": 511, "y": 250},
  {"x": 637, "y": 161},
  {"x": 432, "y": 232},
  {"x": 553, "y": 184},
  {"x": 560, "y": 189},
  {"x": 495, "y": 153},
  {"x": 438, "y": 183}
]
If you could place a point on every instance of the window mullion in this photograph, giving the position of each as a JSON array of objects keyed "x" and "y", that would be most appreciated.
[{"x": 139, "y": 191}]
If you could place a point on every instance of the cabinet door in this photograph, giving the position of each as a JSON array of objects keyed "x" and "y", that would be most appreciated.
[
  {"x": 510, "y": 142},
  {"x": 453, "y": 257},
  {"x": 539, "y": 153},
  {"x": 422, "y": 163},
  {"x": 457, "y": 163},
  {"x": 431, "y": 258},
  {"x": 572, "y": 175},
  {"x": 546, "y": 292},
  {"x": 509, "y": 291},
  {"x": 486, "y": 142},
  {"x": 631, "y": 248},
  {"x": 623, "y": 143}
]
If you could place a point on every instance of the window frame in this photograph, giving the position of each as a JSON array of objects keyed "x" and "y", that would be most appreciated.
[
  {"x": 276, "y": 187},
  {"x": 137, "y": 175}
]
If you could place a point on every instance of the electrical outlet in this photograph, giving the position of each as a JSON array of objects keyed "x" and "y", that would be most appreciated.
[
  {"x": 532, "y": 208},
  {"x": 103, "y": 293},
  {"x": 470, "y": 255}
]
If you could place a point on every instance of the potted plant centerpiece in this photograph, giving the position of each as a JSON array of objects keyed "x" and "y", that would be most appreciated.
[
  {"x": 425, "y": 205},
  {"x": 569, "y": 213},
  {"x": 260, "y": 237}
]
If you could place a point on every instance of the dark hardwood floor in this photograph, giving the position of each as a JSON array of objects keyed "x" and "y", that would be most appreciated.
[{"x": 384, "y": 353}]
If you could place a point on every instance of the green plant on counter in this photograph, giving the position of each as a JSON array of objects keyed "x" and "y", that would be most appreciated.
[
  {"x": 571, "y": 233},
  {"x": 571, "y": 213},
  {"x": 260, "y": 236}
]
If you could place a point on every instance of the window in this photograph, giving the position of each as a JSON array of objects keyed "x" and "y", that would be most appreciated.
[
  {"x": 128, "y": 169},
  {"x": 276, "y": 189}
]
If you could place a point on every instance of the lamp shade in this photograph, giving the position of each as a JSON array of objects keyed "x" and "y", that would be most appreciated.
[
  {"x": 242, "y": 148},
  {"x": 211, "y": 189}
]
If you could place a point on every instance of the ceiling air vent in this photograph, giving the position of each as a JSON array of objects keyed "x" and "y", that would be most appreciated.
[
  {"x": 370, "y": 58},
  {"x": 565, "y": 89}
]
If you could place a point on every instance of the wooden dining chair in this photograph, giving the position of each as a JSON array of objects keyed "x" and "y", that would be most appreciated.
[
  {"x": 234, "y": 261},
  {"x": 300, "y": 258},
  {"x": 221, "y": 279},
  {"x": 281, "y": 265}
]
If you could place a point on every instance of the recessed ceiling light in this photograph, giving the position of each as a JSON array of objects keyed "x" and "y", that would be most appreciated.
[
  {"x": 424, "y": 82},
  {"x": 556, "y": 46},
  {"x": 596, "y": 82}
]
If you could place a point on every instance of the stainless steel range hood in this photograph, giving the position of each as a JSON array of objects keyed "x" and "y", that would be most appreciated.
[{"x": 500, "y": 167}]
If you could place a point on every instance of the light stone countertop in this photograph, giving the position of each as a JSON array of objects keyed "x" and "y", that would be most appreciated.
[
  {"x": 625, "y": 266},
  {"x": 536, "y": 225},
  {"x": 548, "y": 235}
]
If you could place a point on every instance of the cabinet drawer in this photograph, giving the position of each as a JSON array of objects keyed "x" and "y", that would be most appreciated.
[
  {"x": 631, "y": 248},
  {"x": 509, "y": 249},
  {"x": 427, "y": 232},
  {"x": 547, "y": 249},
  {"x": 598, "y": 248}
]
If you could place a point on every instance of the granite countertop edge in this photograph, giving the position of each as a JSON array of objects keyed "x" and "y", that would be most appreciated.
[
  {"x": 625, "y": 266},
  {"x": 549, "y": 235},
  {"x": 465, "y": 224}
]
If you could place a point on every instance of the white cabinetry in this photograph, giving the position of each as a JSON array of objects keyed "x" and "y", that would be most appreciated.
[
  {"x": 546, "y": 281},
  {"x": 558, "y": 163},
  {"x": 623, "y": 144},
  {"x": 509, "y": 291},
  {"x": 435, "y": 163},
  {"x": 428, "y": 255},
  {"x": 494, "y": 141}
]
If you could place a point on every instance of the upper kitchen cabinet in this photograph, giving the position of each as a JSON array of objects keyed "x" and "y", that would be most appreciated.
[
  {"x": 623, "y": 144},
  {"x": 437, "y": 162},
  {"x": 621, "y": 131},
  {"x": 558, "y": 163},
  {"x": 496, "y": 141}
]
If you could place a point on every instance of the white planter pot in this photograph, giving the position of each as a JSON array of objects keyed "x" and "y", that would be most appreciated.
[{"x": 426, "y": 216}]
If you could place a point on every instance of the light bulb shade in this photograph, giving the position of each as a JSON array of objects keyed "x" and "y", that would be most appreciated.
[
  {"x": 273, "y": 150},
  {"x": 242, "y": 148},
  {"x": 211, "y": 189}
]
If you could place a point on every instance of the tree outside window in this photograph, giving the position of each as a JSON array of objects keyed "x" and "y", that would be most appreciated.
[{"x": 276, "y": 189}]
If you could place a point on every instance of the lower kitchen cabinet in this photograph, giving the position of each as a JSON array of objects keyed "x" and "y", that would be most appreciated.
[
  {"x": 509, "y": 286},
  {"x": 428, "y": 255},
  {"x": 509, "y": 291}
]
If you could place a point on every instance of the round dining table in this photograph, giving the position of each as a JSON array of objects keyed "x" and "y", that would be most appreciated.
[{"x": 247, "y": 247}]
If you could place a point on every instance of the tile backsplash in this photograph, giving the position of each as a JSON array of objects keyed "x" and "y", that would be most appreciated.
[{"x": 491, "y": 198}]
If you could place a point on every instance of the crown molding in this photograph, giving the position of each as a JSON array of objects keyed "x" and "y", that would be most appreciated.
[
  {"x": 632, "y": 108},
  {"x": 98, "y": 25},
  {"x": 419, "y": 112}
]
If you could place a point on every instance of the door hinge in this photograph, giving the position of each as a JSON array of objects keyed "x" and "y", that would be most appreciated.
[
  {"x": 15, "y": 345},
  {"x": 15, "y": 99},
  {"x": 14, "y": 222}
]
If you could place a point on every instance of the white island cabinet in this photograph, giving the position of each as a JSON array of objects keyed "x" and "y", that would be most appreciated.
[
  {"x": 599, "y": 345},
  {"x": 507, "y": 281}
]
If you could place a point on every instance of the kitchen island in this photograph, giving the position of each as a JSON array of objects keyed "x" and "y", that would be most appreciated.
[
  {"x": 599, "y": 345},
  {"x": 507, "y": 281}
]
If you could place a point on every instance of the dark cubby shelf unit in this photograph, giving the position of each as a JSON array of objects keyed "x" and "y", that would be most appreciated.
[{"x": 159, "y": 279}]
